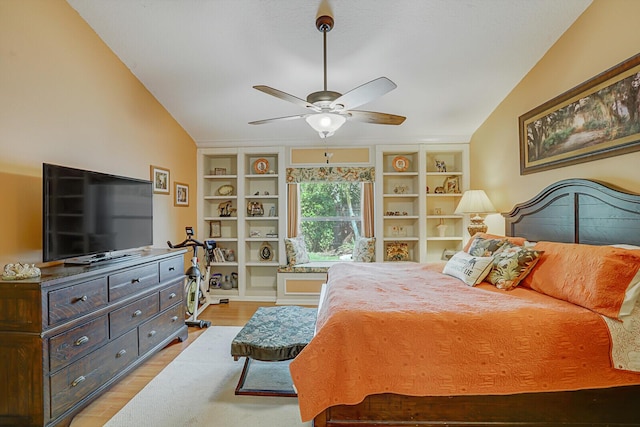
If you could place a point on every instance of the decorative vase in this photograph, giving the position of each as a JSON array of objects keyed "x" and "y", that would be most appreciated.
[{"x": 442, "y": 229}]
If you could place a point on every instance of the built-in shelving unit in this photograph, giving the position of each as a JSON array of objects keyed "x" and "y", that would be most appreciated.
[
  {"x": 242, "y": 206},
  {"x": 398, "y": 189},
  {"x": 417, "y": 200},
  {"x": 444, "y": 229},
  {"x": 244, "y": 220}
]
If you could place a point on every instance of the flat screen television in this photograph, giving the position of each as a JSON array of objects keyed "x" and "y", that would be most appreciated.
[{"x": 92, "y": 217}]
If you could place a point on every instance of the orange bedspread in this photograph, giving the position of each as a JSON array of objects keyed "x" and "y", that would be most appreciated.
[{"x": 408, "y": 329}]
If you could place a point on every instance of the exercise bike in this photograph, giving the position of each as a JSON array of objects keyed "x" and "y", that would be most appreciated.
[{"x": 196, "y": 286}]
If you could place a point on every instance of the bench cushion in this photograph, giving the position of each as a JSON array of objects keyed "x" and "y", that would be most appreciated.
[
  {"x": 309, "y": 267},
  {"x": 275, "y": 333}
]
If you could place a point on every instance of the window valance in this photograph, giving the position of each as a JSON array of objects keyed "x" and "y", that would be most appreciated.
[{"x": 331, "y": 174}]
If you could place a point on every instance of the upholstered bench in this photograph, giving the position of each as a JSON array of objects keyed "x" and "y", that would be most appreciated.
[{"x": 275, "y": 333}]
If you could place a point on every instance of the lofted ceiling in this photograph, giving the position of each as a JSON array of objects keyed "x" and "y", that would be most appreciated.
[{"x": 454, "y": 61}]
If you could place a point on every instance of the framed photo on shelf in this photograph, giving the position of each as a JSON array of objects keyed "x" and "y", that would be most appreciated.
[
  {"x": 451, "y": 184},
  {"x": 181, "y": 194},
  {"x": 215, "y": 229},
  {"x": 266, "y": 252},
  {"x": 220, "y": 171},
  {"x": 397, "y": 251},
  {"x": 160, "y": 179}
]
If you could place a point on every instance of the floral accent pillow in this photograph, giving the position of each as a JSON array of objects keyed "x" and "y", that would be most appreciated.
[
  {"x": 485, "y": 247},
  {"x": 511, "y": 264},
  {"x": 364, "y": 249},
  {"x": 296, "y": 250},
  {"x": 468, "y": 268}
]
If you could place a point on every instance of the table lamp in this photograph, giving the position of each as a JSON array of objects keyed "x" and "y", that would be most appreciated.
[{"x": 475, "y": 202}]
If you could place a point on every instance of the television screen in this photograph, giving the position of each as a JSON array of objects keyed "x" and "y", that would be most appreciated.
[{"x": 88, "y": 215}]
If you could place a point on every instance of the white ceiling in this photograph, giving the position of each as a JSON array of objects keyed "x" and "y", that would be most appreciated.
[{"x": 454, "y": 61}]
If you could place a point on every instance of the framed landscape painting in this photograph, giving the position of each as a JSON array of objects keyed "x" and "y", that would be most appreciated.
[{"x": 597, "y": 119}]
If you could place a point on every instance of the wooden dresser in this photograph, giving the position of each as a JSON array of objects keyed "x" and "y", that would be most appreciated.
[{"x": 67, "y": 336}]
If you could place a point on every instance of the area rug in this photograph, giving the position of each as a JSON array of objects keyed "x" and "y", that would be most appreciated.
[{"x": 198, "y": 389}]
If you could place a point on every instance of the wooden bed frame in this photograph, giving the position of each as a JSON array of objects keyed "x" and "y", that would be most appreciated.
[{"x": 569, "y": 211}]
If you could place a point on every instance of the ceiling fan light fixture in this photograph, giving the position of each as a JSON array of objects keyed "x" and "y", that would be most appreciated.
[{"x": 326, "y": 123}]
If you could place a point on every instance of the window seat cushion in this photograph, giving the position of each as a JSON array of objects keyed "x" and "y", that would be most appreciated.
[{"x": 308, "y": 267}]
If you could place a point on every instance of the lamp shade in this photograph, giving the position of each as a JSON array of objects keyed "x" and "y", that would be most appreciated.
[
  {"x": 475, "y": 202},
  {"x": 326, "y": 123}
]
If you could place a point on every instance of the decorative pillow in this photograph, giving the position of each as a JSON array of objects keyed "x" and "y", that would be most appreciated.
[
  {"x": 485, "y": 247},
  {"x": 468, "y": 268},
  {"x": 364, "y": 249},
  {"x": 604, "y": 279},
  {"x": 515, "y": 240},
  {"x": 511, "y": 264},
  {"x": 296, "y": 250}
]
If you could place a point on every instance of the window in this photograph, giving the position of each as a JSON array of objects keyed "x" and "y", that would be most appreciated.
[{"x": 330, "y": 218}]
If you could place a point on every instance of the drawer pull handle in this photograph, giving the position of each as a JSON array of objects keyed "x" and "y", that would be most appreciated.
[
  {"x": 82, "y": 298},
  {"x": 135, "y": 280},
  {"x": 172, "y": 295},
  {"x": 172, "y": 268},
  {"x": 137, "y": 313},
  {"x": 82, "y": 340},
  {"x": 152, "y": 333},
  {"x": 77, "y": 381},
  {"x": 121, "y": 353},
  {"x": 174, "y": 318}
]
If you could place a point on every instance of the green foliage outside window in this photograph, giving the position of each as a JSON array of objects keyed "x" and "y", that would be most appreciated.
[{"x": 330, "y": 218}]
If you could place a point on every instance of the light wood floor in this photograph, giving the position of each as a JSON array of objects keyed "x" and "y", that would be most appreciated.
[{"x": 106, "y": 406}]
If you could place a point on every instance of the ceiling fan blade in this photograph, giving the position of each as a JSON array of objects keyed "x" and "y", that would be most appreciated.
[
  {"x": 364, "y": 93},
  {"x": 375, "y": 118},
  {"x": 283, "y": 95},
  {"x": 279, "y": 119}
]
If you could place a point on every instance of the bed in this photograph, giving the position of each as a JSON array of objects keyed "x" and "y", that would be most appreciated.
[{"x": 569, "y": 212}]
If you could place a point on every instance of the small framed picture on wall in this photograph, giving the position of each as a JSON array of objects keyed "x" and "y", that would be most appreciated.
[
  {"x": 160, "y": 179},
  {"x": 181, "y": 194}
]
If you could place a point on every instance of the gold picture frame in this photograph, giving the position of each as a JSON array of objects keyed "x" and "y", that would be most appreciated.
[
  {"x": 181, "y": 194},
  {"x": 160, "y": 179},
  {"x": 397, "y": 251},
  {"x": 594, "y": 120}
]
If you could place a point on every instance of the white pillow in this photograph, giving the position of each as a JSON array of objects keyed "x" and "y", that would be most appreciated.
[
  {"x": 468, "y": 268},
  {"x": 364, "y": 249},
  {"x": 296, "y": 250}
]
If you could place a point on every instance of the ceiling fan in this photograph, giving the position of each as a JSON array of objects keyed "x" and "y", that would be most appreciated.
[{"x": 328, "y": 110}]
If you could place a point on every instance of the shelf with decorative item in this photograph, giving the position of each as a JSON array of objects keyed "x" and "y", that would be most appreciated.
[
  {"x": 401, "y": 228},
  {"x": 400, "y": 162},
  {"x": 400, "y": 249}
]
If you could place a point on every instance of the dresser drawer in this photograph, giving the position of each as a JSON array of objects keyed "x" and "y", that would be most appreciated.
[
  {"x": 85, "y": 375},
  {"x": 132, "y": 281},
  {"x": 151, "y": 333},
  {"x": 173, "y": 267},
  {"x": 77, "y": 342},
  {"x": 171, "y": 294},
  {"x": 74, "y": 301},
  {"x": 132, "y": 315}
]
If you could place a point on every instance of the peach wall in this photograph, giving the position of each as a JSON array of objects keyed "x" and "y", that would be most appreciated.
[
  {"x": 65, "y": 98},
  {"x": 605, "y": 35}
]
